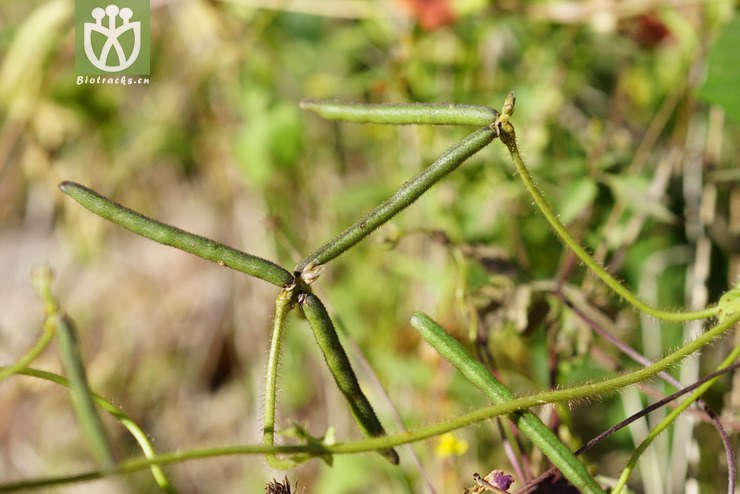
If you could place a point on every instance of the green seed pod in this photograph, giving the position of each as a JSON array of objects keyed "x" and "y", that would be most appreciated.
[
  {"x": 82, "y": 396},
  {"x": 403, "y": 113},
  {"x": 175, "y": 237},
  {"x": 328, "y": 340},
  {"x": 528, "y": 423},
  {"x": 407, "y": 194}
]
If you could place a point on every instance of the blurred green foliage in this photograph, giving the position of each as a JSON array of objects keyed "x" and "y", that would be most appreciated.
[
  {"x": 723, "y": 74},
  {"x": 608, "y": 118}
]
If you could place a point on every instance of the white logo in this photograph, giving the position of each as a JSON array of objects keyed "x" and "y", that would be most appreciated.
[{"x": 112, "y": 33}]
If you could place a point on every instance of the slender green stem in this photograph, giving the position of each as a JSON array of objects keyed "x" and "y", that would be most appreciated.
[
  {"x": 402, "y": 114},
  {"x": 668, "y": 420},
  {"x": 508, "y": 137},
  {"x": 46, "y": 337},
  {"x": 340, "y": 367},
  {"x": 527, "y": 422},
  {"x": 591, "y": 390},
  {"x": 175, "y": 237},
  {"x": 282, "y": 306},
  {"x": 136, "y": 431},
  {"x": 407, "y": 194},
  {"x": 69, "y": 348}
]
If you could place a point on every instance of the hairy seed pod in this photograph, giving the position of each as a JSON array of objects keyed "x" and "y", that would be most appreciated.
[
  {"x": 407, "y": 194},
  {"x": 175, "y": 237},
  {"x": 403, "y": 113},
  {"x": 340, "y": 367}
]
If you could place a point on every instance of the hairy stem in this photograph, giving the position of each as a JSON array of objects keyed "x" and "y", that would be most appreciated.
[
  {"x": 531, "y": 485},
  {"x": 667, "y": 421},
  {"x": 508, "y": 137},
  {"x": 562, "y": 395},
  {"x": 282, "y": 306}
]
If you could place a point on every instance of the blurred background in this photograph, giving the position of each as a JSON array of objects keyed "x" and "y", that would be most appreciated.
[{"x": 627, "y": 113}]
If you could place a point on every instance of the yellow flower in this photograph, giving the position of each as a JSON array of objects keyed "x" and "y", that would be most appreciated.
[{"x": 448, "y": 445}]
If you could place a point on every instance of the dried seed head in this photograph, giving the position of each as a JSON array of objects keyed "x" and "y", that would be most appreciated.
[{"x": 275, "y": 487}]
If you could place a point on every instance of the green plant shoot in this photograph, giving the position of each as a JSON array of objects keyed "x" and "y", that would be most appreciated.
[
  {"x": 307, "y": 270},
  {"x": 668, "y": 420},
  {"x": 282, "y": 306},
  {"x": 507, "y": 134},
  {"x": 136, "y": 432},
  {"x": 599, "y": 388}
]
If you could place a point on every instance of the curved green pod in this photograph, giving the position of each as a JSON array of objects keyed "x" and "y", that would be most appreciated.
[
  {"x": 175, "y": 237},
  {"x": 340, "y": 367},
  {"x": 402, "y": 113},
  {"x": 407, "y": 194}
]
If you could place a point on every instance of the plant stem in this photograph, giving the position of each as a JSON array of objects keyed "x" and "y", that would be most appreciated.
[
  {"x": 139, "y": 435},
  {"x": 532, "y": 484},
  {"x": 591, "y": 390},
  {"x": 175, "y": 237},
  {"x": 496, "y": 125},
  {"x": 668, "y": 420},
  {"x": 340, "y": 367},
  {"x": 508, "y": 137},
  {"x": 403, "y": 114},
  {"x": 25, "y": 360},
  {"x": 282, "y": 306},
  {"x": 407, "y": 194},
  {"x": 527, "y": 422}
]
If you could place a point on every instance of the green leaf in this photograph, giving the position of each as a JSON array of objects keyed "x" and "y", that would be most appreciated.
[
  {"x": 722, "y": 85},
  {"x": 633, "y": 192},
  {"x": 577, "y": 197},
  {"x": 285, "y": 134},
  {"x": 269, "y": 139}
]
